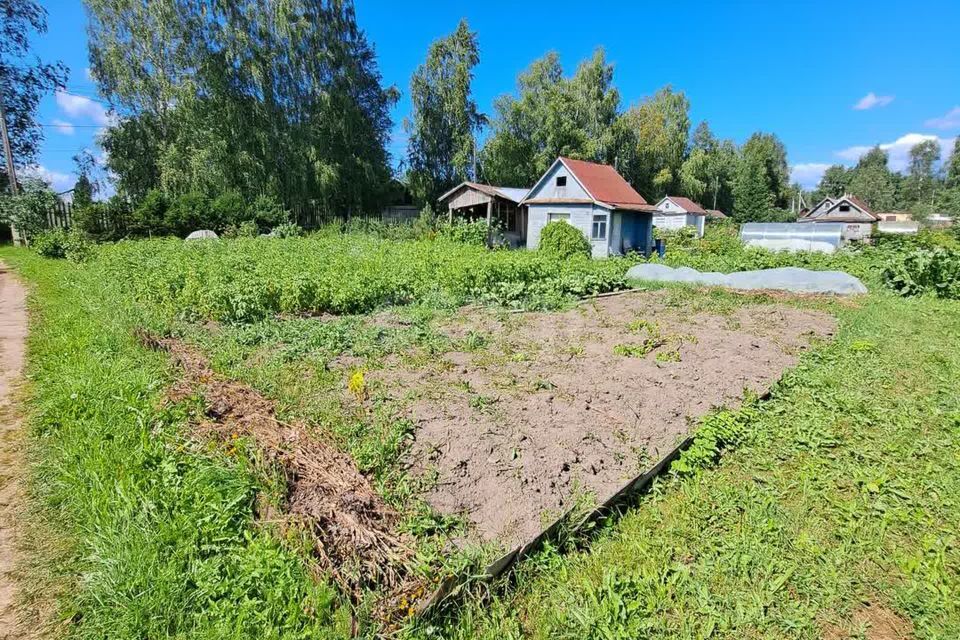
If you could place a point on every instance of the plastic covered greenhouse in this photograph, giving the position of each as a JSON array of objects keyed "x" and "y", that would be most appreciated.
[{"x": 824, "y": 237}]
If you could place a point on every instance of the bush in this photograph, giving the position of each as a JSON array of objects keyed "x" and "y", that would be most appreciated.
[
  {"x": 51, "y": 243},
  {"x": 267, "y": 212},
  {"x": 188, "y": 213},
  {"x": 287, "y": 230},
  {"x": 564, "y": 240},
  {"x": 58, "y": 243},
  {"x": 227, "y": 209},
  {"x": 149, "y": 218},
  {"x": 247, "y": 229},
  {"x": 475, "y": 233},
  {"x": 935, "y": 271}
]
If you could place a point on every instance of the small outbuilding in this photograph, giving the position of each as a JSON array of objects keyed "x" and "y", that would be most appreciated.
[
  {"x": 855, "y": 216},
  {"x": 674, "y": 212},
  {"x": 596, "y": 200},
  {"x": 499, "y": 206}
]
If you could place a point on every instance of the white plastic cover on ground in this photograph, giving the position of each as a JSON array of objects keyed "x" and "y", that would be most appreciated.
[
  {"x": 824, "y": 237},
  {"x": 785, "y": 279},
  {"x": 202, "y": 234}
]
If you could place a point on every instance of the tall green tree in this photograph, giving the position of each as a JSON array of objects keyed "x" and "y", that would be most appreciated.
[
  {"x": 873, "y": 182},
  {"x": 707, "y": 174},
  {"x": 921, "y": 183},
  {"x": 24, "y": 79},
  {"x": 445, "y": 120},
  {"x": 834, "y": 183},
  {"x": 769, "y": 150},
  {"x": 753, "y": 195},
  {"x": 952, "y": 169},
  {"x": 655, "y": 135},
  {"x": 552, "y": 116},
  {"x": 88, "y": 183},
  {"x": 281, "y": 97}
]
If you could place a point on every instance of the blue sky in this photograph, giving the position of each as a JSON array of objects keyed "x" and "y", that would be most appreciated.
[{"x": 830, "y": 79}]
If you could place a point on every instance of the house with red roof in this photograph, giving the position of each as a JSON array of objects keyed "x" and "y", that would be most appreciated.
[
  {"x": 675, "y": 212},
  {"x": 595, "y": 199}
]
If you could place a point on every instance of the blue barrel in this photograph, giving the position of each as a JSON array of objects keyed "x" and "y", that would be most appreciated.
[{"x": 661, "y": 247}]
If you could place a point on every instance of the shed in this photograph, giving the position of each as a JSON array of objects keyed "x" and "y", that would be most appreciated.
[
  {"x": 596, "y": 200},
  {"x": 674, "y": 212},
  {"x": 500, "y": 206}
]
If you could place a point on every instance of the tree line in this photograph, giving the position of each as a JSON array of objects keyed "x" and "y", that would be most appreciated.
[
  {"x": 283, "y": 102},
  {"x": 580, "y": 116},
  {"x": 925, "y": 188}
]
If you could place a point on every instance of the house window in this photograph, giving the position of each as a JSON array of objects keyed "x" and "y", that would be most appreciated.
[
  {"x": 554, "y": 217},
  {"x": 845, "y": 208},
  {"x": 599, "y": 230},
  {"x": 561, "y": 181},
  {"x": 891, "y": 218}
]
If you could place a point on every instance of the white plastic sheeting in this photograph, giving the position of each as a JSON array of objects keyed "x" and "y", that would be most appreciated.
[
  {"x": 202, "y": 234},
  {"x": 785, "y": 279},
  {"x": 825, "y": 237},
  {"x": 898, "y": 227}
]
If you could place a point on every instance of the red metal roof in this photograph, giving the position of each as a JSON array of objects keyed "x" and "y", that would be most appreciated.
[
  {"x": 603, "y": 182},
  {"x": 687, "y": 204}
]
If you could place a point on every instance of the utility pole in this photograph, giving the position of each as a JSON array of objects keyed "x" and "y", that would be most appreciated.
[{"x": 11, "y": 171}]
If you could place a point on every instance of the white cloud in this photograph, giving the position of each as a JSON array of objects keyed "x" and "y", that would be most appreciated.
[
  {"x": 872, "y": 100},
  {"x": 949, "y": 121},
  {"x": 64, "y": 127},
  {"x": 83, "y": 107},
  {"x": 898, "y": 150},
  {"x": 57, "y": 181},
  {"x": 808, "y": 174},
  {"x": 88, "y": 72}
]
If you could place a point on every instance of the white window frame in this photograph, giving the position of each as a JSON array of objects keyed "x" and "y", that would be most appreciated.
[
  {"x": 558, "y": 217},
  {"x": 601, "y": 219}
]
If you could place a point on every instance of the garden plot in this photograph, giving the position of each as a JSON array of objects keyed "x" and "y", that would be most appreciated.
[{"x": 538, "y": 410}]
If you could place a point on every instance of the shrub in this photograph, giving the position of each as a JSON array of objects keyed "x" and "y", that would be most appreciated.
[
  {"x": 188, "y": 213},
  {"x": 226, "y": 209},
  {"x": 28, "y": 210},
  {"x": 51, "y": 243},
  {"x": 59, "y": 243},
  {"x": 475, "y": 233},
  {"x": 267, "y": 212},
  {"x": 246, "y": 229},
  {"x": 287, "y": 230},
  {"x": 935, "y": 270},
  {"x": 564, "y": 240},
  {"x": 149, "y": 218}
]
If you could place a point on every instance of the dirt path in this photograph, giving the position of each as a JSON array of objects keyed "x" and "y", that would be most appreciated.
[{"x": 13, "y": 332}]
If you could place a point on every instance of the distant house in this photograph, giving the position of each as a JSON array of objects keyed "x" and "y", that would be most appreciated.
[
  {"x": 674, "y": 212},
  {"x": 595, "y": 199},
  {"x": 496, "y": 205},
  {"x": 854, "y": 214},
  {"x": 716, "y": 214}
]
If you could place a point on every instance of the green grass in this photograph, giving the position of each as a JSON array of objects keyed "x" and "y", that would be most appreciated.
[
  {"x": 142, "y": 533},
  {"x": 841, "y": 489}
]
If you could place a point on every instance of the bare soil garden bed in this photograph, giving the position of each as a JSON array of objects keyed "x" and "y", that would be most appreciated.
[{"x": 539, "y": 409}]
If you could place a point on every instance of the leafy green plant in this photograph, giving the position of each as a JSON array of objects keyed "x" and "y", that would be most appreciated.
[
  {"x": 51, "y": 243},
  {"x": 475, "y": 233},
  {"x": 287, "y": 230},
  {"x": 935, "y": 270},
  {"x": 563, "y": 240}
]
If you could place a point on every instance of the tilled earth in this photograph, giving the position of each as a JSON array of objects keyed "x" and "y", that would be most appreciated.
[{"x": 546, "y": 407}]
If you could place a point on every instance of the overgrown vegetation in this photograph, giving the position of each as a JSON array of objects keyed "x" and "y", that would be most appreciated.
[
  {"x": 244, "y": 280},
  {"x": 563, "y": 240},
  {"x": 781, "y": 518}
]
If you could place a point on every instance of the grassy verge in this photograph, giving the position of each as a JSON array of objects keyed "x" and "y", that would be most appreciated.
[
  {"x": 843, "y": 494},
  {"x": 145, "y": 535}
]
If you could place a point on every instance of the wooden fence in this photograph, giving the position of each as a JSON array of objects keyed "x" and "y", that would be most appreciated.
[{"x": 309, "y": 215}]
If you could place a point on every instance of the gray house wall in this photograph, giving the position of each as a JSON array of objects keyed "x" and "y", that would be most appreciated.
[
  {"x": 581, "y": 217},
  {"x": 547, "y": 187}
]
